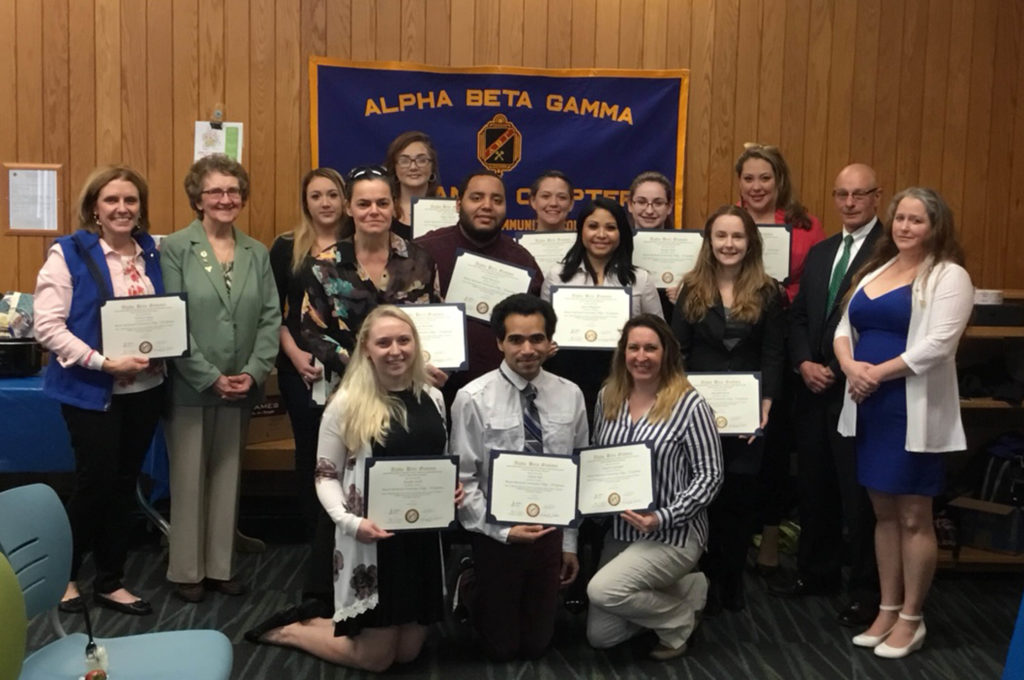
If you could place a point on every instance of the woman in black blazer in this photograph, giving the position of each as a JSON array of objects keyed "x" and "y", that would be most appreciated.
[{"x": 728, "y": 317}]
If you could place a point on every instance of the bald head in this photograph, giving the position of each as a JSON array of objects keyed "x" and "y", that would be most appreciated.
[{"x": 857, "y": 195}]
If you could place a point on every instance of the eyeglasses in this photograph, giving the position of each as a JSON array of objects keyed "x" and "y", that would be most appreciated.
[
  {"x": 408, "y": 161},
  {"x": 857, "y": 194},
  {"x": 233, "y": 192},
  {"x": 643, "y": 203},
  {"x": 366, "y": 171}
]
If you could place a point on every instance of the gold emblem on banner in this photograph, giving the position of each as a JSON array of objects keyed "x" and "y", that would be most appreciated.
[{"x": 499, "y": 145}]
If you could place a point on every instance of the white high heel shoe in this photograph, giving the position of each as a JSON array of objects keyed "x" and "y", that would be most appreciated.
[
  {"x": 865, "y": 640},
  {"x": 887, "y": 651}
]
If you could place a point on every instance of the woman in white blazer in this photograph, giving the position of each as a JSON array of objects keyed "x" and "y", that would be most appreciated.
[{"x": 896, "y": 344}]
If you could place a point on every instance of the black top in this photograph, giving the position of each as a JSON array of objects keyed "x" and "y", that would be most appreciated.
[
  {"x": 425, "y": 435},
  {"x": 290, "y": 289},
  {"x": 718, "y": 343},
  {"x": 403, "y": 230}
]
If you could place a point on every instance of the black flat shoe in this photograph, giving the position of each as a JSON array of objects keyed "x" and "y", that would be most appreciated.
[
  {"x": 278, "y": 620},
  {"x": 74, "y": 605},
  {"x": 137, "y": 608}
]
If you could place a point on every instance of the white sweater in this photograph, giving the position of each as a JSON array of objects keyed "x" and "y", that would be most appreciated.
[{"x": 943, "y": 299}]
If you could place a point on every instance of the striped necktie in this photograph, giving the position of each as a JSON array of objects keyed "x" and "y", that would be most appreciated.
[
  {"x": 533, "y": 437},
  {"x": 839, "y": 273}
]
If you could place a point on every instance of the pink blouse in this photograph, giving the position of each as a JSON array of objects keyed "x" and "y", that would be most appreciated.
[{"x": 52, "y": 304}]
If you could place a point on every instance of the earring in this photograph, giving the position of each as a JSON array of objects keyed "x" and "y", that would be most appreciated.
[
  {"x": 432, "y": 178},
  {"x": 96, "y": 219}
]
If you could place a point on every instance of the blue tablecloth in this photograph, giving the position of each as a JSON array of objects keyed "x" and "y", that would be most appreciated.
[{"x": 34, "y": 437}]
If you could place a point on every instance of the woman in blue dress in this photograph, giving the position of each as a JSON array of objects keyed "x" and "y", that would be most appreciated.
[{"x": 896, "y": 344}]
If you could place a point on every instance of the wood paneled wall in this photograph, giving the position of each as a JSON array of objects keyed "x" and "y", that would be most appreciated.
[{"x": 927, "y": 91}]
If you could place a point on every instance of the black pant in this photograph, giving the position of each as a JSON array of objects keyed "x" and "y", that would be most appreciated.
[
  {"x": 731, "y": 519},
  {"x": 304, "y": 416},
  {"x": 830, "y": 497},
  {"x": 109, "y": 448}
]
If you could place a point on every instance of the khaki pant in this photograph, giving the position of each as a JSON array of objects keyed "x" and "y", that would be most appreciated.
[
  {"x": 204, "y": 445},
  {"x": 645, "y": 585}
]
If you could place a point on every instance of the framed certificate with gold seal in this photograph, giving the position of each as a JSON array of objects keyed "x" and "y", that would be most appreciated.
[
  {"x": 415, "y": 493},
  {"x": 613, "y": 479},
  {"x": 442, "y": 331},
  {"x": 734, "y": 397},
  {"x": 530, "y": 488},
  {"x": 590, "y": 317},
  {"x": 150, "y": 326}
]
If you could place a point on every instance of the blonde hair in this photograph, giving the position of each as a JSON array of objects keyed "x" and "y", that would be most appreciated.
[
  {"x": 370, "y": 410},
  {"x": 751, "y": 285},
  {"x": 304, "y": 235},
  {"x": 673, "y": 383}
]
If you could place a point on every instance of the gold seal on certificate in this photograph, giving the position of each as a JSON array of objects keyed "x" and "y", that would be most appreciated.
[
  {"x": 528, "y": 488},
  {"x": 411, "y": 493},
  {"x": 442, "y": 331},
  {"x": 590, "y": 317},
  {"x": 480, "y": 282},
  {"x": 615, "y": 478},
  {"x": 734, "y": 397},
  {"x": 672, "y": 252},
  {"x": 155, "y": 326}
]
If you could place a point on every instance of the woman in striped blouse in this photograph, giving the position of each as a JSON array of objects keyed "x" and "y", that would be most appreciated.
[{"x": 645, "y": 580}]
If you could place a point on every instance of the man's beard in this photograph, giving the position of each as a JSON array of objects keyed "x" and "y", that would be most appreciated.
[{"x": 474, "y": 233}]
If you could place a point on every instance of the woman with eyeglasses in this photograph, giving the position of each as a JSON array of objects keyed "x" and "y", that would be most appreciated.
[
  {"x": 729, "y": 318},
  {"x": 412, "y": 162},
  {"x": 650, "y": 201},
  {"x": 234, "y": 324},
  {"x": 551, "y": 200},
  {"x": 322, "y": 209},
  {"x": 766, "y": 192}
]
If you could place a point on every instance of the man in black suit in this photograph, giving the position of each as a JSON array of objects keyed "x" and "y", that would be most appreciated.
[{"x": 830, "y": 496}]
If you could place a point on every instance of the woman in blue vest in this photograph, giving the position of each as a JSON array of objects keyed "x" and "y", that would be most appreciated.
[{"x": 110, "y": 403}]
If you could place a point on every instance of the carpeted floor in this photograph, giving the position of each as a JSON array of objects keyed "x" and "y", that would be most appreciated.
[{"x": 970, "y": 620}]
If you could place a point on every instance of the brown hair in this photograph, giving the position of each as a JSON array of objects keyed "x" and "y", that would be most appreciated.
[
  {"x": 217, "y": 162},
  {"x": 751, "y": 286},
  {"x": 395, "y": 149},
  {"x": 672, "y": 377},
  {"x": 941, "y": 243},
  {"x": 94, "y": 183},
  {"x": 304, "y": 234},
  {"x": 796, "y": 214}
]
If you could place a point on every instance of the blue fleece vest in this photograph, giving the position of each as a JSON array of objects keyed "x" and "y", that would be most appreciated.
[{"x": 77, "y": 385}]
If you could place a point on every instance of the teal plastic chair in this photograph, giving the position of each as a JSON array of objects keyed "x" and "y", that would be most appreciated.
[{"x": 35, "y": 536}]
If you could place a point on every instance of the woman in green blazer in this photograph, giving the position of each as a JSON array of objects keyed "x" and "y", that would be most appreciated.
[{"x": 234, "y": 320}]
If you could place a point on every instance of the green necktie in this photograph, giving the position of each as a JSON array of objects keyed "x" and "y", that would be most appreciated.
[{"x": 839, "y": 272}]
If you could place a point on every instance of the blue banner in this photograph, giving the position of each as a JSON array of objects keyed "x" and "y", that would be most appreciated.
[{"x": 601, "y": 127}]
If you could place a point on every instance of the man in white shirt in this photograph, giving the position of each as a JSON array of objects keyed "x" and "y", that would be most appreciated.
[
  {"x": 518, "y": 569},
  {"x": 830, "y": 496}
]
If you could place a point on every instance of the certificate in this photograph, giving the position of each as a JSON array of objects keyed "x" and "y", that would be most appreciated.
[
  {"x": 480, "y": 282},
  {"x": 152, "y": 326},
  {"x": 526, "y": 488},
  {"x": 734, "y": 397},
  {"x": 411, "y": 494},
  {"x": 547, "y": 247},
  {"x": 590, "y": 317},
  {"x": 615, "y": 478},
  {"x": 667, "y": 254},
  {"x": 776, "y": 239},
  {"x": 430, "y": 214},
  {"x": 442, "y": 331}
]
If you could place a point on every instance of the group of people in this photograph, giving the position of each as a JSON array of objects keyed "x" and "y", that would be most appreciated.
[{"x": 859, "y": 340}]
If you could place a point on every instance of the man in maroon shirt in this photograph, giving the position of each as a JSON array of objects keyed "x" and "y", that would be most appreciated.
[{"x": 481, "y": 206}]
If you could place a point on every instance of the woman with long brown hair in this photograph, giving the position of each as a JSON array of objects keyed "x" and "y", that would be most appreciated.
[{"x": 729, "y": 318}]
